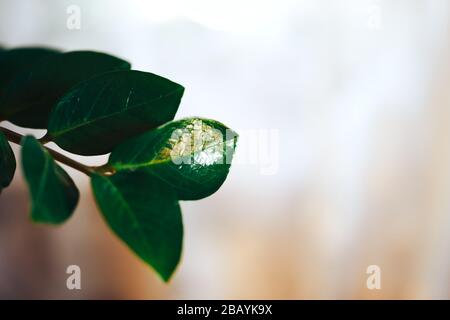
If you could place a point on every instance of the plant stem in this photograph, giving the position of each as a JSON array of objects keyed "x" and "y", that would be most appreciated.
[
  {"x": 45, "y": 139},
  {"x": 11, "y": 135},
  {"x": 16, "y": 138}
]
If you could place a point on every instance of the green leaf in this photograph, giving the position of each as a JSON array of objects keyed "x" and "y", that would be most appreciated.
[
  {"x": 99, "y": 113},
  {"x": 7, "y": 162},
  {"x": 193, "y": 156},
  {"x": 29, "y": 99},
  {"x": 15, "y": 61},
  {"x": 145, "y": 215},
  {"x": 54, "y": 195}
]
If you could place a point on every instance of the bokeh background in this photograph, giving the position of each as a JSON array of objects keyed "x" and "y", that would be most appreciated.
[{"x": 344, "y": 160}]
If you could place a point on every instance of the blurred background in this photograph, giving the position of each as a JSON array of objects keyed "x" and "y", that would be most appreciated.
[{"x": 344, "y": 160}]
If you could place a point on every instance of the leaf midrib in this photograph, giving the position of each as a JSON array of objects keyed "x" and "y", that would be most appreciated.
[
  {"x": 61, "y": 132},
  {"x": 152, "y": 162},
  {"x": 44, "y": 178},
  {"x": 128, "y": 209}
]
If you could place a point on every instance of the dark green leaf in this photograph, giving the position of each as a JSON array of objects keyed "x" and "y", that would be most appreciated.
[
  {"x": 54, "y": 196},
  {"x": 7, "y": 162},
  {"x": 15, "y": 61},
  {"x": 29, "y": 99},
  {"x": 145, "y": 215},
  {"x": 99, "y": 113},
  {"x": 193, "y": 156}
]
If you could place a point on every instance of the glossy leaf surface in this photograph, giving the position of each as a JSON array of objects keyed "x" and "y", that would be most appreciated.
[
  {"x": 145, "y": 215},
  {"x": 193, "y": 156},
  {"x": 99, "y": 113},
  {"x": 53, "y": 194},
  {"x": 29, "y": 99}
]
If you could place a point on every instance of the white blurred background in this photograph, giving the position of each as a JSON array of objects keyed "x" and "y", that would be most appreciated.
[{"x": 350, "y": 100}]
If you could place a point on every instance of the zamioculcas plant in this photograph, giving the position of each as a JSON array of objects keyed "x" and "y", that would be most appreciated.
[{"x": 91, "y": 103}]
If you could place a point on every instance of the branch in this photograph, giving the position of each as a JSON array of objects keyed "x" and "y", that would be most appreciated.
[{"x": 16, "y": 138}]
